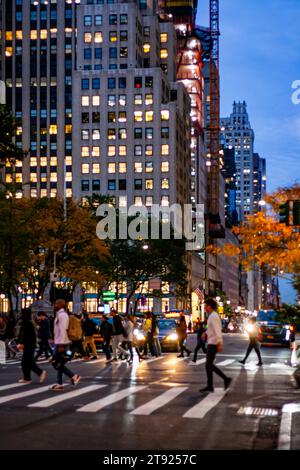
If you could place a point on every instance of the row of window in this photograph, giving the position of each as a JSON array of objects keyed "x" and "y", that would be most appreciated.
[
  {"x": 112, "y": 101},
  {"x": 122, "y": 185},
  {"x": 112, "y": 134},
  {"x": 121, "y": 150},
  {"x": 111, "y": 82},
  {"x": 87, "y": 168}
]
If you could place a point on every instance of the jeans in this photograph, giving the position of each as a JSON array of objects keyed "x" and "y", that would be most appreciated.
[
  {"x": 106, "y": 349},
  {"x": 210, "y": 367},
  {"x": 28, "y": 363},
  {"x": 62, "y": 369},
  {"x": 43, "y": 348},
  {"x": 200, "y": 345},
  {"x": 253, "y": 344}
]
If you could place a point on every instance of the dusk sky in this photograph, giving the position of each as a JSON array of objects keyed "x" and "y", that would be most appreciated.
[{"x": 259, "y": 61}]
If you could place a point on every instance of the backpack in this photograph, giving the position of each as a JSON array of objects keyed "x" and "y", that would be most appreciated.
[{"x": 73, "y": 330}]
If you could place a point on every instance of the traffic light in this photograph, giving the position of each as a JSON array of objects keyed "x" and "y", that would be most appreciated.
[
  {"x": 284, "y": 213},
  {"x": 296, "y": 213}
]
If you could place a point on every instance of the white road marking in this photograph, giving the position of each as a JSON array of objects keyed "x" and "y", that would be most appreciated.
[
  {"x": 110, "y": 399},
  {"x": 226, "y": 362},
  {"x": 285, "y": 431},
  {"x": 148, "y": 361},
  {"x": 65, "y": 396},
  {"x": 204, "y": 406},
  {"x": 200, "y": 361},
  {"x": 159, "y": 401},
  {"x": 7, "y": 387},
  {"x": 16, "y": 396}
]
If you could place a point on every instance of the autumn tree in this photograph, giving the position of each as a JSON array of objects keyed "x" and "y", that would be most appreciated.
[{"x": 264, "y": 241}]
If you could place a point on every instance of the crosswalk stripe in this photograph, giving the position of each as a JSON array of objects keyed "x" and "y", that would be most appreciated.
[
  {"x": 112, "y": 398},
  {"x": 159, "y": 401},
  {"x": 147, "y": 361},
  {"x": 204, "y": 406},
  {"x": 197, "y": 363},
  {"x": 16, "y": 396},
  {"x": 7, "y": 387},
  {"x": 226, "y": 362},
  {"x": 66, "y": 396}
]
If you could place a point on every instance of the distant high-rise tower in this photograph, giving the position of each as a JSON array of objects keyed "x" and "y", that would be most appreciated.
[{"x": 236, "y": 132}]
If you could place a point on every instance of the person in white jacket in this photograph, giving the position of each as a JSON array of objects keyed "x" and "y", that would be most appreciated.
[
  {"x": 61, "y": 348},
  {"x": 214, "y": 345}
]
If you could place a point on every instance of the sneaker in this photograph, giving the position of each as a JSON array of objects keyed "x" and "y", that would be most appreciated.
[
  {"x": 180, "y": 355},
  {"x": 57, "y": 388},
  {"x": 23, "y": 381},
  {"x": 75, "y": 379},
  {"x": 206, "y": 389},
  {"x": 43, "y": 376},
  {"x": 227, "y": 382},
  {"x": 242, "y": 362},
  {"x": 259, "y": 364},
  {"x": 194, "y": 360}
]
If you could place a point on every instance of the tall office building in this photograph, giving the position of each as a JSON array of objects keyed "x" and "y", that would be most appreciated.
[
  {"x": 236, "y": 132},
  {"x": 94, "y": 84},
  {"x": 259, "y": 181}
]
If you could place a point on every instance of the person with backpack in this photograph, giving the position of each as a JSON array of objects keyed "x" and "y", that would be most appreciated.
[
  {"x": 61, "y": 349},
  {"x": 89, "y": 329},
  {"x": 75, "y": 334}
]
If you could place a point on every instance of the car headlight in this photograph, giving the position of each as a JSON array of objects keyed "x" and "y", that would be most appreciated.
[
  {"x": 139, "y": 336},
  {"x": 172, "y": 337}
]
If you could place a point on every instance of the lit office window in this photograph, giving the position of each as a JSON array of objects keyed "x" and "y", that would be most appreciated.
[
  {"x": 165, "y": 149},
  {"x": 164, "y": 53},
  {"x": 149, "y": 116},
  {"x": 165, "y": 183},
  {"x": 165, "y": 201},
  {"x": 111, "y": 134},
  {"x": 122, "y": 201},
  {"x": 96, "y": 134},
  {"x": 149, "y": 201},
  {"x": 165, "y": 114},
  {"x": 146, "y": 48},
  {"x": 111, "y": 150},
  {"x": 138, "y": 116},
  {"x": 122, "y": 167},
  {"x": 138, "y": 99},
  {"x": 113, "y": 36},
  {"x": 96, "y": 100},
  {"x": 85, "y": 168},
  {"x": 149, "y": 167},
  {"x": 138, "y": 201},
  {"x": 122, "y": 100},
  {"x": 96, "y": 168},
  {"x": 163, "y": 37},
  {"x": 149, "y": 150},
  {"x": 111, "y": 167},
  {"x": 98, "y": 37},
  {"x": 122, "y": 150},
  {"x": 138, "y": 167},
  {"x": 85, "y": 151},
  {"x": 164, "y": 167},
  {"x": 95, "y": 151},
  {"x": 149, "y": 184},
  {"x": 122, "y": 134},
  {"x": 122, "y": 116},
  {"x": 149, "y": 99},
  {"x": 87, "y": 38},
  {"x": 85, "y": 100}
]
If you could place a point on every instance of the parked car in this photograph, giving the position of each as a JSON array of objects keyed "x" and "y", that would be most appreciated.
[{"x": 272, "y": 330}]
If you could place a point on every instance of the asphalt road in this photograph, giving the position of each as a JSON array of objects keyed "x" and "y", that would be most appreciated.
[{"x": 152, "y": 405}]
